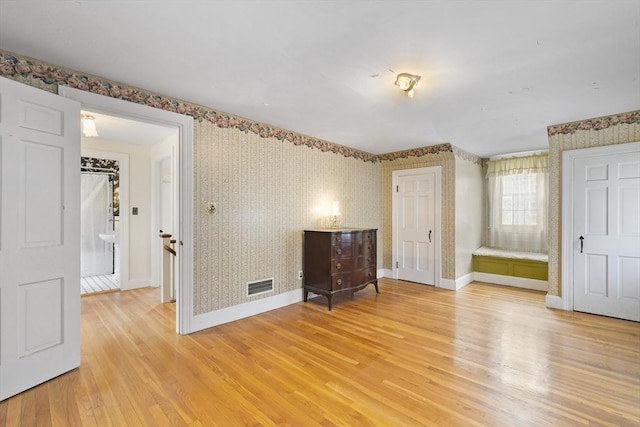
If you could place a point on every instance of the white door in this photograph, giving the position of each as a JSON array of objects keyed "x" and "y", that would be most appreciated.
[
  {"x": 416, "y": 227},
  {"x": 606, "y": 235},
  {"x": 39, "y": 236}
]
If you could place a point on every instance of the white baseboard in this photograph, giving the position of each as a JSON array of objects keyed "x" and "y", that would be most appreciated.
[
  {"x": 554, "y": 301},
  {"x": 518, "y": 282},
  {"x": 456, "y": 284},
  {"x": 386, "y": 272},
  {"x": 449, "y": 284},
  {"x": 135, "y": 284},
  {"x": 237, "y": 312}
]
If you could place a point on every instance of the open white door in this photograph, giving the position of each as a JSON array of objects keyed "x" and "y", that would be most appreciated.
[
  {"x": 416, "y": 233},
  {"x": 606, "y": 231},
  {"x": 39, "y": 236}
]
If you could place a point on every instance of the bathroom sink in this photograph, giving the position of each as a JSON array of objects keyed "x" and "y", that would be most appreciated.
[{"x": 110, "y": 237}]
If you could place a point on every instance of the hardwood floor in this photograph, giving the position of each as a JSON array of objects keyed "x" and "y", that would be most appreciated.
[{"x": 411, "y": 356}]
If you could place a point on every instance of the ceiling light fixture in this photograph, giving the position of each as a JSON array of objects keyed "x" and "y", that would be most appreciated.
[
  {"x": 89, "y": 126},
  {"x": 407, "y": 82}
]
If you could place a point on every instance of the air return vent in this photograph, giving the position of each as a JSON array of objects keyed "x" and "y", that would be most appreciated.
[{"x": 259, "y": 286}]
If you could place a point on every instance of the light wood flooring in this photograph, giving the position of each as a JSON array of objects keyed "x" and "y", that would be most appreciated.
[{"x": 411, "y": 356}]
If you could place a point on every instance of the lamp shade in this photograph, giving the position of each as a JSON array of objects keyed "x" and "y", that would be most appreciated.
[{"x": 89, "y": 126}]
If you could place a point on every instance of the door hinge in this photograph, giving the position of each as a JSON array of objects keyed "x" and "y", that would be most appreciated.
[
  {"x": 396, "y": 264},
  {"x": 397, "y": 188}
]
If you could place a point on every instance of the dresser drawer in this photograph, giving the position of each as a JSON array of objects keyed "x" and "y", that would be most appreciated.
[
  {"x": 368, "y": 274},
  {"x": 343, "y": 250},
  {"x": 341, "y": 265},
  {"x": 367, "y": 260},
  {"x": 341, "y": 281},
  {"x": 368, "y": 248},
  {"x": 338, "y": 239}
]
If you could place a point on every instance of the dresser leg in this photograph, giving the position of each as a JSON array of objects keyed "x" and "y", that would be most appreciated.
[
  {"x": 329, "y": 301},
  {"x": 306, "y": 295},
  {"x": 376, "y": 285}
]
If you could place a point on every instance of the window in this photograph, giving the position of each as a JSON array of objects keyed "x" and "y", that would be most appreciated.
[
  {"x": 517, "y": 214},
  {"x": 519, "y": 205}
]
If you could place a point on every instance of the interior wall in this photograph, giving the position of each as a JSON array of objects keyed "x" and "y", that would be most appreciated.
[
  {"x": 266, "y": 192},
  {"x": 601, "y": 131},
  {"x": 266, "y": 181},
  {"x": 438, "y": 155},
  {"x": 140, "y": 197},
  {"x": 468, "y": 210}
]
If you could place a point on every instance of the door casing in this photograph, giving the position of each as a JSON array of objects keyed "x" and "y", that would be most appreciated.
[{"x": 144, "y": 113}]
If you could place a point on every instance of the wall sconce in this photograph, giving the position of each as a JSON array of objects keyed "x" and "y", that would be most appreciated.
[
  {"x": 335, "y": 213},
  {"x": 407, "y": 82},
  {"x": 89, "y": 126}
]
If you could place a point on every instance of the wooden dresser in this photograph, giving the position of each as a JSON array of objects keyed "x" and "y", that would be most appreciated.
[{"x": 339, "y": 260}]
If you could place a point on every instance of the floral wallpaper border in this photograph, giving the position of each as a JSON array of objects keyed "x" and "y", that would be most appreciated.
[
  {"x": 48, "y": 77},
  {"x": 417, "y": 152},
  {"x": 598, "y": 123},
  {"x": 465, "y": 155}
]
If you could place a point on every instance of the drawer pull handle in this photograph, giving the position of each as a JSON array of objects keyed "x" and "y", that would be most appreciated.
[
  {"x": 338, "y": 266},
  {"x": 339, "y": 251},
  {"x": 339, "y": 282},
  {"x": 369, "y": 274}
]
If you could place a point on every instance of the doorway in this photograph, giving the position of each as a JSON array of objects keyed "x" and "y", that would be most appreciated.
[
  {"x": 183, "y": 185},
  {"x": 416, "y": 225},
  {"x": 601, "y": 230}
]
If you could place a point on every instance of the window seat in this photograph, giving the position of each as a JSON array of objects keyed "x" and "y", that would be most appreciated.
[{"x": 509, "y": 263}]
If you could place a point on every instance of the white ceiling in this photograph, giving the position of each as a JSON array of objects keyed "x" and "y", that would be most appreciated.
[
  {"x": 111, "y": 128},
  {"x": 495, "y": 74}
]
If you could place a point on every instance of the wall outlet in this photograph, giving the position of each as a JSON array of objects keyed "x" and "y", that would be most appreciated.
[{"x": 300, "y": 274}]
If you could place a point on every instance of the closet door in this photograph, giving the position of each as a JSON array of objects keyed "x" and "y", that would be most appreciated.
[
  {"x": 606, "y": 232},
  {"x": 416, "y": 231}
]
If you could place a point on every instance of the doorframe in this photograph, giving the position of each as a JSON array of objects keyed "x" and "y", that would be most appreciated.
[
  {"x": 438, "y": 218},
  {"x": 184, "y": 123},
  {"x": 568, "y": 246}
]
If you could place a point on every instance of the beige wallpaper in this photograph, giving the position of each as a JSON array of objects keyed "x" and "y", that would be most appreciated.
[
  {"x": 616, "y": 129},
  {"x": 266, "y": 192}
]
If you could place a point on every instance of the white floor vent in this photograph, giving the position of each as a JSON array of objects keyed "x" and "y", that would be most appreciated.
[{"x": 259, "y": 287}]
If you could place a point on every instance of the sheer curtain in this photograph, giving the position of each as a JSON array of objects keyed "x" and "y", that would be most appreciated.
[
  {"x": 517, "y": 188},
  {"x": 95, "y": 254}
]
